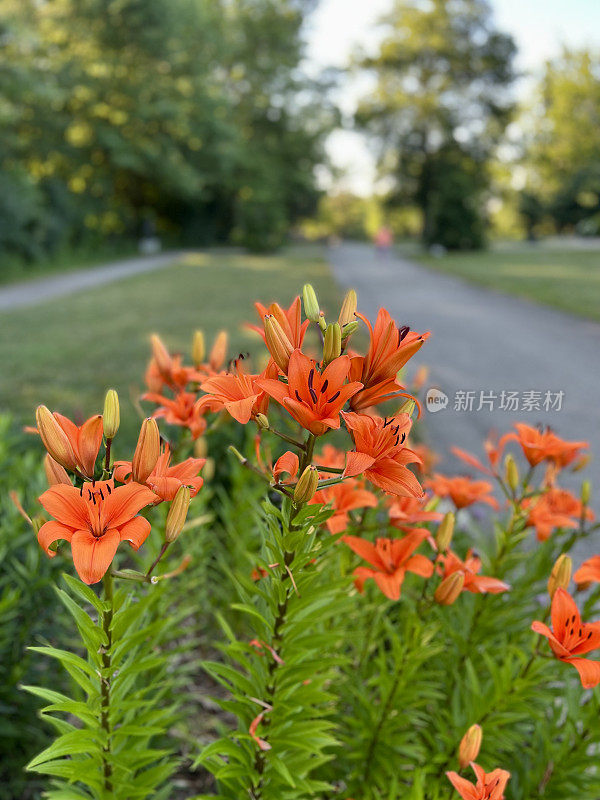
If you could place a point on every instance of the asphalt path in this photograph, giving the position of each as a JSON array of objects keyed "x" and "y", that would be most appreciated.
[
  {"x": 29, "y": 293},
  {"x": 482, "y": 344}
]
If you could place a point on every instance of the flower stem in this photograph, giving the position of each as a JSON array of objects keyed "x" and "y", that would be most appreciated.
[
  {"x": 163, "y": 550},
  {"x": 288, "y": 439},
  {"x": 107, "y": 616},
  {"x": 382, "y": 718}
]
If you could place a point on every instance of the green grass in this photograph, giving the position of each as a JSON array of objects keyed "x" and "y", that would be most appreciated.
[
  {"x": 566, "y": 278},
  {"x": 66, "y": 352}
]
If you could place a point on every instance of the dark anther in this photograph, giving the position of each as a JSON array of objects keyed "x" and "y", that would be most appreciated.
[
  {"x": 93, "y": 498},
  {"x": 387, "y": 421},
  {"x": 396, "y": 441},
  {"x": 325, "y": 385},
  {"x": 298, "y": 396},
  {"x": 311, "y": 377},
  {"x": 403, "y": 439},
  {"x": 93, "y": 483},
  {"x": 335, "y": 397},
  {"x": 402, "y": 332},
  {"x": 108, "y": 489},
  {"x": 589, "y": 634},
  {"x": 313, "y": 394},
  {"x": 101, "y": 495}
]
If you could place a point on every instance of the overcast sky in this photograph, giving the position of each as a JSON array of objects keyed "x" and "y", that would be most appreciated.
[{"x": 540, "y": 28}]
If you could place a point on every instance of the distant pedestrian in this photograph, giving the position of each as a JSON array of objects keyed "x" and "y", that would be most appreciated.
[{"x": 383, "y": 240}]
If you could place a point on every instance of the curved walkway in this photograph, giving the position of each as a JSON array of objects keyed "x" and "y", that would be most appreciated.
[{"x": 36, "y": 291}]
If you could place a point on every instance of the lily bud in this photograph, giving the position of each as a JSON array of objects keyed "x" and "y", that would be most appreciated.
[
  {"x": 147, "y": 451},
  {"x": 307, "y": 485},
  {"x": 262, "y": 421},
  {"x": 177, "y": 514},
  {"x": 470, "y": 744},
  {"x": 55, "y": 474},
  {"x": 278, "y": 343},
  {"x": 54, "y": 438},
  {"x": 449, "y": 589},
  {"x": 560, "y": 577},
  {"x": 348, "y": 311},
  {"x": 208, "y": 470},
  {"x": 512, "y": 473},
  {"x": 347, "y": 330},
  {"x": 332, "y": 347},
  {"x": 445, "y": 532},
  {"x": 407, "y": 407},
  {"x": 200, "y": 447},
  {"x": 311, "y": 304},
  {"x": 586, "y": 490},
  {"x": 112, "y": 414},
  {"x": 218, "y": 354},
  {"x": 198, "y": 349},
  {"x": 161, "y": 355}
]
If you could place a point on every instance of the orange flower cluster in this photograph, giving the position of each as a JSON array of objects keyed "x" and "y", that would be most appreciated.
[{"x": 89, "y": 510}]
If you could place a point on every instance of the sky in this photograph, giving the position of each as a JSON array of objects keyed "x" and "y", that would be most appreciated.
[{"x": 338, "y": 27}]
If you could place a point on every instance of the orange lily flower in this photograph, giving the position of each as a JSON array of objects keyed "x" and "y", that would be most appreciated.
[
  {"x": 83, "y": 442},
  {"x": 545, "y": 445},
  {"x": 380, "y": 453},
  {"x": 288, "y": 464},
  {"x": 165, "y": 480},
  {"x": 428, "y": 458},
  {"x": 462, "y": 491},
  {"x": 449, "y": 563},
  {"x": 95, "y": 519},
  {"x": 389, "y": 350},
  {"x": 330, "y": 456},
  {"x": 405, "y": 511},
  {"x": 344, "y": 497},
  {"x": 290, "y": 321},
  {"x": 489, "y": 786},
  {"x": 182, "y": 410},
  {"x": 493, "y": 449},
  {"x": 555, "y": 509},
  {"x": 237, "y": 393},
  {"x": 588, "y": 572},
  {"x": 391, "y": 559},
  {"x": 313, "y": 398},
  {"x": 571, "y": 638},
  {"x": 165, "y": 369}
]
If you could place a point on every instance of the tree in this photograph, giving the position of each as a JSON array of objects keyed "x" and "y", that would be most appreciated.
[
  {"x": 189, "y": 114},
  {"x": 439, "y": 107},
  {"x": 563, "y": 150}
]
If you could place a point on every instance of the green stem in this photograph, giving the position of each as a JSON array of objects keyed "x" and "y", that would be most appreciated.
[
  {"x": 382, "y": 718},
  {"x": 256, "y": 788},
  {"x": 288, "y": 439},
  {"x": 163, "y": 550},
  {"x": 107, "y": 616},
  {"x": 307, "y": 455}
]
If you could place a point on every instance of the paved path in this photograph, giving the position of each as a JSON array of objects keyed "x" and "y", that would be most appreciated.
[
  {"x": 36, "y": 291},
  {"x": 484, "y": 341}
]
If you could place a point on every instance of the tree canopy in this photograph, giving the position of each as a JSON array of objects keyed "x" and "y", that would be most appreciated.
[
  {"x": 440, "y": 104},
  {"x": 190, "y": 115}
]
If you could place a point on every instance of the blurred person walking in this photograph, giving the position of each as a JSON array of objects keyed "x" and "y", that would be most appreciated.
[{"x": 383, "y": 240}]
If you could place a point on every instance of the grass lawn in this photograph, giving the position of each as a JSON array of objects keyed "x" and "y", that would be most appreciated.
[
  {"x": 567, "y": 278},
  {"x": 66, "y": 352}
]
